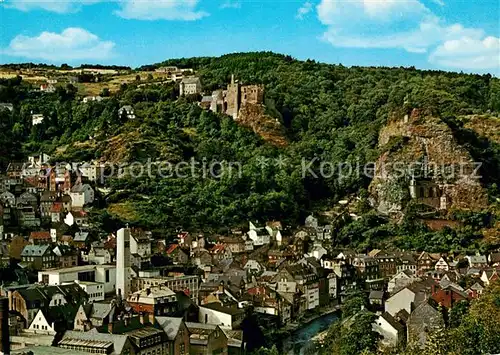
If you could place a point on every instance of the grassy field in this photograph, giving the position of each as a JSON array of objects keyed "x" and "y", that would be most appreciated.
[{"x": 84, "y": 89}]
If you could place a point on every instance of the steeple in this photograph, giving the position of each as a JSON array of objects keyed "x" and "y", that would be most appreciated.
[{"x": 232, "y": 78}]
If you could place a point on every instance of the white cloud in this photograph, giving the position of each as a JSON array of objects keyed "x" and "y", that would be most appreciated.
[
  {"x": 468, "y": 53},
  {"x": 417, "y": 40},
  {"x": 439, "y": 2},
  {"x": 69, "y": 45},
  {"x": 58, "y": 6},
  {"x": 231, "y": 4},
  {"x": 185, "y": 10},
  {"x": 407, "y": 25},
  {"x": 306, "y": 8}
]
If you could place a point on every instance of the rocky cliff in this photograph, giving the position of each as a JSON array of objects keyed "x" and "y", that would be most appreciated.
[
  {"x": 254, "y": 116},
  {"x": 422, "y": 162}
]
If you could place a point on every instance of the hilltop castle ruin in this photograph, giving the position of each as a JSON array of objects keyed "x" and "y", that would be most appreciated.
[{"x": 236, "y": 96}]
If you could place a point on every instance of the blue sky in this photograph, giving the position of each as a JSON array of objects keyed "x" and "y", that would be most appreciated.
[{"x": 433, "y": 34}]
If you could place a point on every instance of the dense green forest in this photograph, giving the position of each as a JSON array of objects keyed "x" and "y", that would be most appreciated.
[{"x": 329, "y": 112}]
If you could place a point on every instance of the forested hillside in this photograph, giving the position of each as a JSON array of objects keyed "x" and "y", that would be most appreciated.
[{"x": 329, "y": 112}]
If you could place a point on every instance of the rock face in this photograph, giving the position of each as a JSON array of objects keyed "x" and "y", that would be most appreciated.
[
  {"x": 270, "y": 129},
  {"x": 421, "y": 161}
]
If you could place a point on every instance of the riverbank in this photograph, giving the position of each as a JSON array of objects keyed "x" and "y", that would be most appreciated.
[
  {"x": 321, "y": 312},
  {"x": 292, "y": 338}
]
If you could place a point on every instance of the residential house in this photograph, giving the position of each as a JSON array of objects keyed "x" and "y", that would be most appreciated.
[
  {"x": 317, "y": 251},
  {"x": 217, "y": 314},
  {"x": 442, "y": 265},
  {"x": 92, "y": 98},
  {"x": 179, "y": 256},
  {"x": 39, "y": 238},
  {"x": 219, "y": 253},
  {"x": 258, "y": 235},
  {"x": 235, "y": 244},
  {"x": 424, "y": 320},
  {"x": 81, "y": 195},
  {"x": 40, "y": 257},
  {"x": 376, "y": 298},
  {"x": 448, "y": 296},
  {"x": 37, "y": 119},
  {"x": 477, "y": 261},
  {"x": 190, "y": 86},
  {"x": 410, "y": 295},
  {"x": 98, "y": 254},
  {"x": 66, "y": 256},
  {"x": 140, "y": 242},
  {"x": 6, "y": 106},
  {"x": 81, "y": 239},
  {"x": 159, "y": 301},
  {"x": 206, "y": 339},
  {"x": 78, "y": 217},
  {"x": 426, "y": 261},
  {"x": 400, "y": 280},
  {"x": 489, "y": 275},
  {"x": 494, "y": 259},
  {"x": 392, "y": 332},
  {"x": 368, "y": 270},
  {"x": 177, "y": 334},
  {"x": 53, "y": 319},
  {"x": 254, "y": 267},
  {"x": 94, "y": 314},
  {"x": 26, "y": 301},
  {"x": 16, "y": 247},
  {"x": 387, "y": 264},
  {"x": 475, "y": 291},
  {"x": 127, "y": 111}
]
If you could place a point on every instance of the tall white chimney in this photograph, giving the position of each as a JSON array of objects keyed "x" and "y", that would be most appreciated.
[{"x": 123, "y": 262}]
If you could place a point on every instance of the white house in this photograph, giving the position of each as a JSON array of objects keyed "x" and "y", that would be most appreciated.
[
  {"x": 91, "y": 98},
  {"x": 190, "y": 86},
  {"x": 400, "y": 280},
  {"x": 91, "y": 171},
  {"x": 42, "y": 324},
  {"x": 127, "y": 110},
  {"x": 79, "y": 218},
  {"x": 81, "y": 194},
  {"x": 442, "y": 265},
  {"x": 95, "y": 290},
  {"x": 216, "y": 314},
  {"x": 104, "y": 274},
  {"x": 317, "y": 251},
  {"x": 253, "y": 266},
  {"x": 140, "y": 242},
  {"x": 37, "y": 118},
  {"x": 258, "y": 235},
  {"x": 391, "y": 331},
  {"x": 400, "y": 300},
  {"x": 311, "y": 222}
]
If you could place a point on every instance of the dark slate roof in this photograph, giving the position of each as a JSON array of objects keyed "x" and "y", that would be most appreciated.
[
  {"x": 376, "y": 295},
  {"x": 35, "y": 250},
  {"x": 393, "y": 322}
]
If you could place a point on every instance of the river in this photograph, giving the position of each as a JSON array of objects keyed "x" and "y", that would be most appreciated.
[{"x": 300, "y": 339}]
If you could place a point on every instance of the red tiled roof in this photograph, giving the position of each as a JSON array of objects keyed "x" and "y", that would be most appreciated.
[
  {"x": 56, "y": 207},
  {"x": 171, "y": 248},
  {"x": 40, "y": 235},
  {"x": 79, "y": 213},
  {"x": 218, "y": 248}
]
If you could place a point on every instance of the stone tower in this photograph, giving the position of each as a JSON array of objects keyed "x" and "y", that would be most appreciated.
[
  {"x": 233, "y": 98},
  {"x": 123, "y": 262}
]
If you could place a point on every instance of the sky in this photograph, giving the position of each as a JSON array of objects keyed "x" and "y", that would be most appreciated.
[{"x": 453, "y": 35}]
